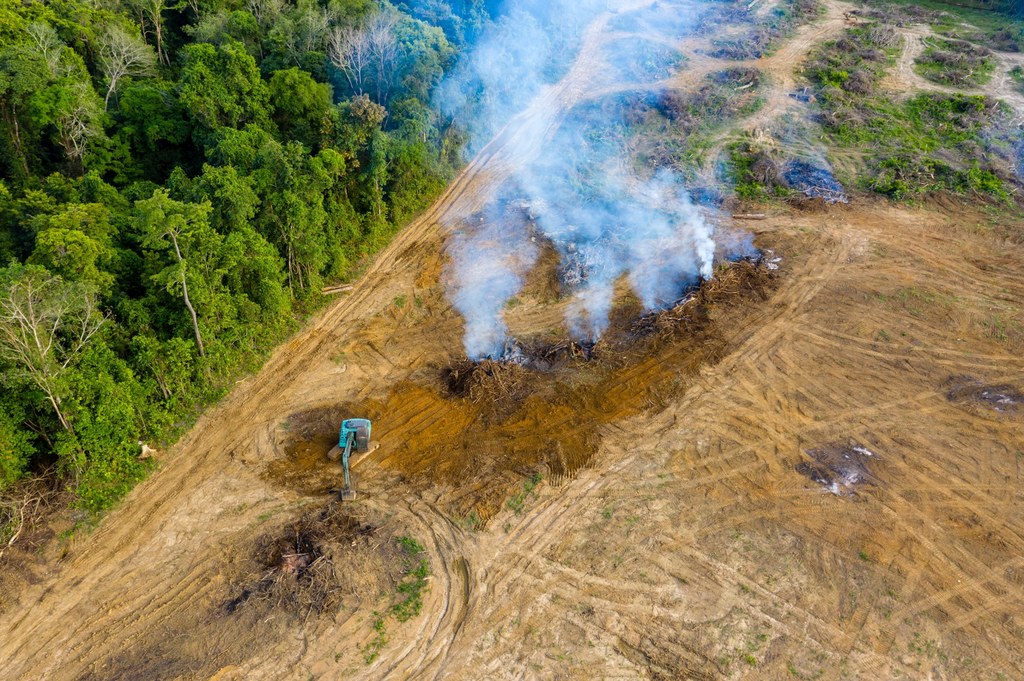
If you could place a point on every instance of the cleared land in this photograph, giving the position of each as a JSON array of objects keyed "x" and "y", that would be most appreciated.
[{"x": 684, "y": 524}]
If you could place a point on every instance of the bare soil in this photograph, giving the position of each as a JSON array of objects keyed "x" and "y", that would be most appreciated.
[{"x": 671, "y": 534}]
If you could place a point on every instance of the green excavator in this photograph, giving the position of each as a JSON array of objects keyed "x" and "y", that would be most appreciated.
[{"x": 353, "y": 438}]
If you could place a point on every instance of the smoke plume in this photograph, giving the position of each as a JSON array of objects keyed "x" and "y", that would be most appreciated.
[{"x": 606, "y": 218}]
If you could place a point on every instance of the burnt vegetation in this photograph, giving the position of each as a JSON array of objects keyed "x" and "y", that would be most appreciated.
[
  {"x": 974, "y": 393},
  {"x": 840, "y": 468}
]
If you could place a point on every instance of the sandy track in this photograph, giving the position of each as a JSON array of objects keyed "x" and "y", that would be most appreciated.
[{"x": 689, "y": 548}]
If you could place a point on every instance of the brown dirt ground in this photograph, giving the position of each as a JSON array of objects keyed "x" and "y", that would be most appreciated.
[{"x": 672, "y": 536}]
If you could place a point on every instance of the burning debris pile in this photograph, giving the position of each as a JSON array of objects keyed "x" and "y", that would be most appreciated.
[
  {"x": 531, "y": 366},
  {"x": 604, "y": 219},
  {"x": 745, "y": 276},
  {"x": 511, "y": 376}
]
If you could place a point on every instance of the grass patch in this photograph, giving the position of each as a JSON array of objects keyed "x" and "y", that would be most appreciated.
[
  {"x": 1017, "y": 75},
  {"x": 930, "y": 142},
  {"x": 472, "y": 521},
  {"x": 407, "y": 602},
  {"x": 754, "y": 172},
  {"x": 956, "y": 63},
  {"x": 518, "y": 501}
]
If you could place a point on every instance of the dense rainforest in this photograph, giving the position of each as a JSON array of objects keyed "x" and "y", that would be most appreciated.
[{"x": 179, "y": 179}]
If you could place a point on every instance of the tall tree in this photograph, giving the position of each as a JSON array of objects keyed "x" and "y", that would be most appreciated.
[
  {"x": 366, "y": 54},
  {"x": 150, "y": 15},
  {"x": 45, "y": 324},
  {"x": 384, "y": 50},
  {"x": 349, "y": 52},
  {"x": 222, "y": 87},
  {"x": 23, "y": 74},
  {"x": 302, "y": 107},
  {"x": 44, "y": 86},
  {"x": 164, "y": 223},
  {"x": 121, "y": 55}
]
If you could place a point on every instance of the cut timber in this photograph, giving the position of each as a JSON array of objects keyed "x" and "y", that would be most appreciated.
[
  {"x": 354, "y": 459},
  {"x": 749, "y": 216},
  {"x": 331, "y": 290},
  {"x": 334, "y": 454}
]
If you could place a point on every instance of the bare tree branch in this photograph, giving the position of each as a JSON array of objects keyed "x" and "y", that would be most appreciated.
[
  {"x": 122, "y": 54},
  {"x": 151, "y": 12},
  {"x": 383, "y": 49},
  {"x": 77, "y": 124},
  {"x": 349, "y": 52},
  {"x": 45, "y": 324},
  {"x": 48, "y": 45}
]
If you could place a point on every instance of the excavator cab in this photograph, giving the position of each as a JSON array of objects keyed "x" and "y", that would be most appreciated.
[
  {"x": 359, "y": 429},
  {"x": 354, "y": 436}
]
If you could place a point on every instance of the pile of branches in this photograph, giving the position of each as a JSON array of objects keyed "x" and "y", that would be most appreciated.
[
  {"x": 488, "y": 380},
  {"x": 690, "y": 314},
  {"x": 957, "y": 63},
  {"x": 26, "y": 505},
  {"x": 686, "y": 316},
  {"x": 553, "y": 353},
  {"x": 299, "y": 567}
]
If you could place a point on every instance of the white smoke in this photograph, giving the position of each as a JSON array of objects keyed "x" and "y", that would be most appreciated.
[{"x": 606, "y": 219}]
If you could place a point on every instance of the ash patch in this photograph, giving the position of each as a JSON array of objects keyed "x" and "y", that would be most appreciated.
[
  {"x": 816, "y": 182},
  {"x": 968, "y": 390},
  {"x": 839, "y": 468}
]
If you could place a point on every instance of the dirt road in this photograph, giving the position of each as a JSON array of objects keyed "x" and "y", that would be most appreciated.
[{"x": 688, "y": 546}]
